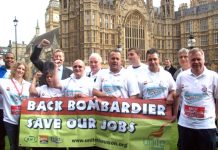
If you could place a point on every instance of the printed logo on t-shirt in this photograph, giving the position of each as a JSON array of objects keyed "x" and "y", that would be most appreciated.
[
  {"x": 73, "y": 92},
  {"x": 16, "y": 99},
  {"x": 8, "y": 88},
  {"x": 108, "y": 89},
  {"x": 112, "y": 86},
  {"x": 194, "y": 97},
  {"x": 153, "y": 92},
  {"x": 112, "y": 90},
  {"x": 204, "y": 88}
]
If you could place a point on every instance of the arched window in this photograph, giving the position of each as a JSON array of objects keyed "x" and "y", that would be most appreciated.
[
  {"x": 134, "y": 32},
  {"x": 65, "y": 4}
]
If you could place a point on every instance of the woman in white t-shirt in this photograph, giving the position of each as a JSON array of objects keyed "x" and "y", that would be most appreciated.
[{"x": 14, "y": 90}]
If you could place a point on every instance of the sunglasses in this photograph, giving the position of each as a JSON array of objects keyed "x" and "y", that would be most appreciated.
[{"x": 77, "y": 66}]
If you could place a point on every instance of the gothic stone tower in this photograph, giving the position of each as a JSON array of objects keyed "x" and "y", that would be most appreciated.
[
  {"x": 168, "y": 16},
  {"x": 52, "y": 15},
  {"x": 88, "y": 26}
]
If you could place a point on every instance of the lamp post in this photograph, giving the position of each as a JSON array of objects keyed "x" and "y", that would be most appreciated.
[
  {"x": 191, "y": 41},
  {"x": 15, "y": 26},
  {"x": 119, "y": 46}
]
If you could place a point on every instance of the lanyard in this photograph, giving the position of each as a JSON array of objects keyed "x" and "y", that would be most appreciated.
[{"x": 19, "y": 92}]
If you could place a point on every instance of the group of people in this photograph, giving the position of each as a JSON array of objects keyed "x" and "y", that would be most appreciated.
[{"x": 191, "y": 89}]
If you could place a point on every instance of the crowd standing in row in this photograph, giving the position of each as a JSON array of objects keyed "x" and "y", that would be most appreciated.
[{"x": 191, "y": 89}]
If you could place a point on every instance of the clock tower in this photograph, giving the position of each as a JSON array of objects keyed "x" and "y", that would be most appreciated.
[{"x": 52, "y": 15}]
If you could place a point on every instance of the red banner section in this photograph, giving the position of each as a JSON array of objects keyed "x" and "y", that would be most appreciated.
[{"x": 116, "y": 107}]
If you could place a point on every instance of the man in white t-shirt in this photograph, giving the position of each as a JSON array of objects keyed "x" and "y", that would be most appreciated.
[
  {"x": 78, "y": 84},
  {"x": 156, "y": 83},
  {"x": 95, "y": 61},
  {"x": 136, "y": 66},
  {"x": 5, "y": 72},
  {"x": 116, "y": 81},
  {"x": 198, "y": 88}
]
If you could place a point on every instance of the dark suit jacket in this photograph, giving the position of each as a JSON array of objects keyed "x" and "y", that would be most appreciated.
[
  {"x": 172, "y": 70},
  {"x": 43, "y": 66}
]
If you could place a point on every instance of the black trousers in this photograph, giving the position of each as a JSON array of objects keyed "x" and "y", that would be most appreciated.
[
  {"x": 196, "y": 139},
  {"x": 2, "y": 131},
  {"x": 12, "y": 131}
]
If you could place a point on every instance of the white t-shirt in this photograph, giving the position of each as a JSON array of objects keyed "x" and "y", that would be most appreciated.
[
  {"x": 122, "y": 84},
  {"x": 47, "y": 92},
  {"x": 156, "y": 85},
  {"x": 137, "y": 71},
  {"x": 72, "y": 86},
  {"x": 11, "y": 98},
  {"x": 198, "y": 99},
  {"x": 7, "y": 75},
  {"x": 95, "y": 76}
]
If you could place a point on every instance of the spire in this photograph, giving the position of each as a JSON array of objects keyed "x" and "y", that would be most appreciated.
[
  {"x": 167, "y": 8},
  {"x": 55, "y": 44},
  {"x": 200, "y": 2},
  {"x": 37, "y": 28},
  {"x": 150, "y": 7},
  {"x": 150, "y": 4}
]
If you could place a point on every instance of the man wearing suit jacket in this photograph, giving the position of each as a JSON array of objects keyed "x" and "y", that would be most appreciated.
[
  {"x": 169, "y": 67},
  {"x": 57, "y": 57}
]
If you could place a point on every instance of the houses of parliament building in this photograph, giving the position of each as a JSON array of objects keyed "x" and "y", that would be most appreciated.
[{"x": 87, "y": 26}]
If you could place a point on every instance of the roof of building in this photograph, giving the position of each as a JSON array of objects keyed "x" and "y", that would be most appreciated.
[
  {"x": 52, "y": 36},
  {"x": 4, "y": 50},
  {"x": 197, "y": 10}
]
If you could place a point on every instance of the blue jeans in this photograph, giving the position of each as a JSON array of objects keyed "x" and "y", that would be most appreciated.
[{"x": 12, "y": 132}]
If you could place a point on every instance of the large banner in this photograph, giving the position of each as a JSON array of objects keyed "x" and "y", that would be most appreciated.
[{"x": 124, "y": 124}]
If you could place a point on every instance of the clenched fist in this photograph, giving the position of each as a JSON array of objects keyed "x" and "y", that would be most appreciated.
[{"x": 44, "y": 43}]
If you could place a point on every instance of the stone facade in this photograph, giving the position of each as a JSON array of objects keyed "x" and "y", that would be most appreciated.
[
  {"x": 88, "y": 26},
  {"x": 21, "y": 50}
]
